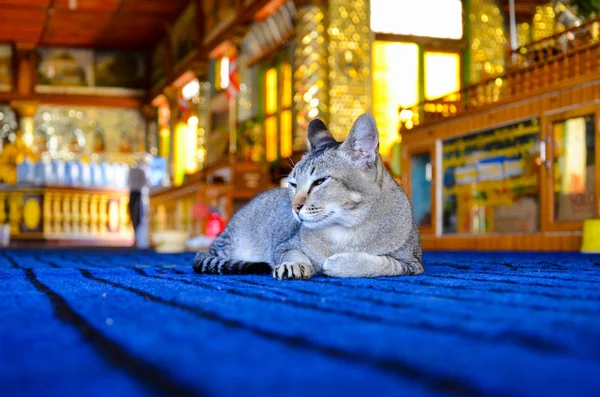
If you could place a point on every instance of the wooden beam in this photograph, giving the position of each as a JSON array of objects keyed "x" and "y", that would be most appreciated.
[
  {"x": 49, "y": 12},
  {"x": 90, "y": 100},
  {"x": 429, "y": 43},
  {"x": 75, "y": 100}
]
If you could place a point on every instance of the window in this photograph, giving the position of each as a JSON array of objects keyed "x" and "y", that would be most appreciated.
[
  {"x": 427, "y": 18},
  {"x": 395, "y": 83},
  {"x": 286, "y": 111},
  {"x": 421, "y": 175},
  {"x": 397, "y": 72},
  {"x": 271, "y": 113},
  {"x": 574, "y": 169},
  {"x": 491, "y": 181},
  {"x": 442, "y": 74},
  {"x": 278, "y": 110}
]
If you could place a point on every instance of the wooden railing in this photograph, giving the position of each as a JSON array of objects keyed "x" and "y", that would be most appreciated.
[
  {"x": 95, "y": 216},
  {"x": 225, "y": 187},
  {"x": 171, "y": 209},
  {"x": 559, "y": 43},
  {"x": 567, "y": 58}
]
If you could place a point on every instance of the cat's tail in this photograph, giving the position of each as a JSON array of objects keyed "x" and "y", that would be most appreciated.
[{"x": 207, "y": 263}]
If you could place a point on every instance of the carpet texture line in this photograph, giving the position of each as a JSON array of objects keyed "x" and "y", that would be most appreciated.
[
  {"x": 292, "y": 288},
  {"x": 512, "y": 282},
  {"x": 393, "y": 366},
  {"x": 304, "y": 292},
  {"x": 517, "y": 338},
  {"x": 88, "y": 262},
  {"x": 469, "y": 270},
  {"x": 51, "y": 263},
  {"x": 150, "y": 375},
  {"x": 397, "y": 305},
  {"x": 496, "y": 290},
  {"x": 453, "y": 297},
  {"x": 11, "y": 260}
]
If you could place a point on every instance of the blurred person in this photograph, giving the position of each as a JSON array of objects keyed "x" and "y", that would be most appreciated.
[{"x": 138, "y": 183}]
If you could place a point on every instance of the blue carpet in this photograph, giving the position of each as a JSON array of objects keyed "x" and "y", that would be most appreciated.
[{"x": 134, "y": 323}]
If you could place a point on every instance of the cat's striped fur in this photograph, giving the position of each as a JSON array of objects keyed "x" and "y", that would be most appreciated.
[{"x": 214, "y": 261}]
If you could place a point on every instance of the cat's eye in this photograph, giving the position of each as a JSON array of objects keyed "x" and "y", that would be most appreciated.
[
  {"x": 319, "y": 181},
  {"x": 292, "y": 184}
]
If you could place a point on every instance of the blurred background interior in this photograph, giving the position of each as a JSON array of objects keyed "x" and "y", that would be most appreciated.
[{"x": 487, "y": 111}]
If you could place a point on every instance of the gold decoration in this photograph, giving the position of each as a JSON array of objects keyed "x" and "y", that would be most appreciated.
[
  {"x": 349, "y": 63},
  {"x": 543, "y": 22},
  {"x": 24, "y": 108},
  {"x": 310, "y": 70},
  {"x": 113, "y": 215},
  {"x": 76, "y": 218},
  {"x": 32, "y": 213},
  {"x": 125, "y": 224},
  {"x": 94, "y": 218},
  {"x": 523, "y": 34},
  {"x": 2, "y": 209},
  {"x": 488, "y": 43},
  {"x": 103, "y": 214},
  {"x": 85, "y": 213},
  {"x": 57, "y": 213},
  {"x": 15, "y": 204},
  {"x": 67, "y": 214},
  {"x": 48, "y": 199}
]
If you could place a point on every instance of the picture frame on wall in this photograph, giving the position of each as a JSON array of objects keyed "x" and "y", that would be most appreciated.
[
  {"x": 158, "y": 63},
  {"x": 184, "y": 36},
  {"x": 6, "y": 75},
  {"x": 59, "y": 69},
  {"x": 88, "y": 72},
  {"x": 119, "y": 69}
]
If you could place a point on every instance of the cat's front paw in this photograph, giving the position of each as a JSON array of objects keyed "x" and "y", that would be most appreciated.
[
  {"x": 293, "y": 271},
  {"x": 336, "y": 265},
  {"x": 347, "y": 264}
]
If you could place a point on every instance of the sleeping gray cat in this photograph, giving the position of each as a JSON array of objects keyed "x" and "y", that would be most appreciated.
[{"x": 343, "y": 216}]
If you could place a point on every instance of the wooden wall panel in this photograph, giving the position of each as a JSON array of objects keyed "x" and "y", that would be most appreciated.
[
  {"x": 534, "y": 242},
  {"x": 544, "y": 106}
]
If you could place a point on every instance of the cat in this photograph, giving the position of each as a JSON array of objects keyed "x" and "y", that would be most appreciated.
[{"x": 342, "y": 215}]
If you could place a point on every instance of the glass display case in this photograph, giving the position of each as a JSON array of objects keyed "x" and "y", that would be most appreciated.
[{"x": 491, "y": 181}]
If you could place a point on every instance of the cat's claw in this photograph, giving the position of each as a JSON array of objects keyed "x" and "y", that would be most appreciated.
[{"x": 293, "y": 271}]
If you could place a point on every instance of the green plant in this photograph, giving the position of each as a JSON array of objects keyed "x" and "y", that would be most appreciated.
[{"x": 587, "y": 8}]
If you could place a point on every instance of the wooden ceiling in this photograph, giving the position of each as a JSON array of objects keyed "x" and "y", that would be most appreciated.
[{"x": 92, "y": 23}]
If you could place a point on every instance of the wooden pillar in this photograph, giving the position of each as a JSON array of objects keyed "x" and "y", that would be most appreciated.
[
  {"x": 150, "y": 114},
  {"x": 24, "y": 111},
  {"x": 25, "y": 67},
  {"x": 310, "y": 83},
  {"x": 349, "y": 59}
]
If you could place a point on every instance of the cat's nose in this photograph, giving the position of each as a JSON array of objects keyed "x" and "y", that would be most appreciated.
[{"x": 297, "y": 208}]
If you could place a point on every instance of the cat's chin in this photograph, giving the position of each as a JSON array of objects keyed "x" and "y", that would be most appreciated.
[
  {"x": 317, "y": 223},
  {"x": 313, "y": 225}
]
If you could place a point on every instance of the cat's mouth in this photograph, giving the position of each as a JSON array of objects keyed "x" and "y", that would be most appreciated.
[{"x": 315, "y": 221}]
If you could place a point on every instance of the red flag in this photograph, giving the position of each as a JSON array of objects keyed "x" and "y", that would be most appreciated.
[{"x": 234, "y": 79}]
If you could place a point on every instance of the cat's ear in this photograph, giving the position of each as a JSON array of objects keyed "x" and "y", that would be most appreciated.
[
  {"x": 318, "y": 135},
  {"x": 362, "y": 143}
]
